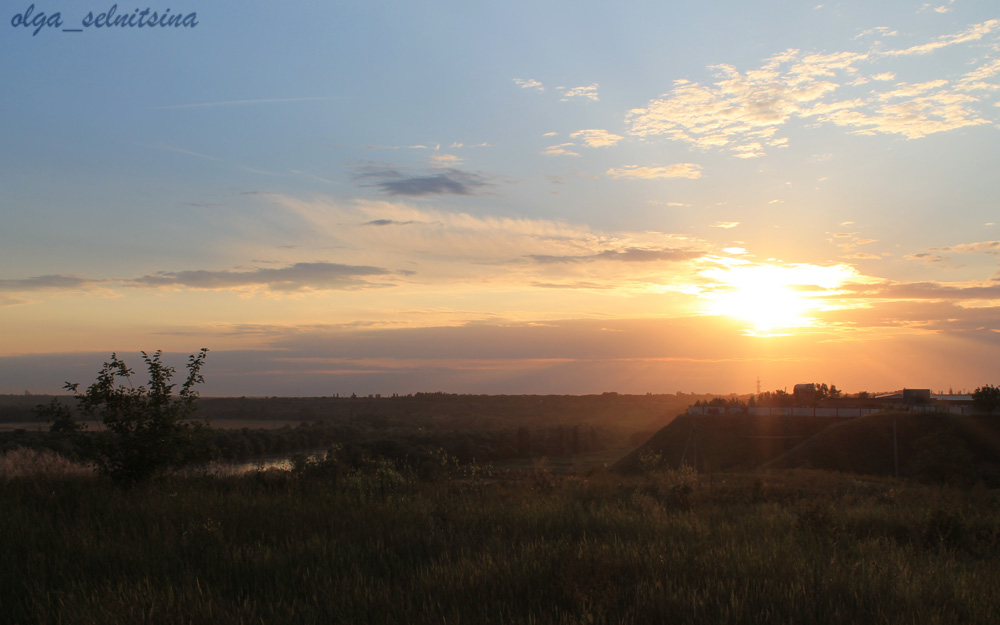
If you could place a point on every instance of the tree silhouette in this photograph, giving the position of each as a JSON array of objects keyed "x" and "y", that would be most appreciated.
[
  {"x": 149, "y": 430},
  {"x": 987, "y": 398}
]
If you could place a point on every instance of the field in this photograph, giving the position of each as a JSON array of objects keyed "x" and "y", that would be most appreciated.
[
  {"x": 436, "y": 509},
  {"x": 327, "y": 543}
]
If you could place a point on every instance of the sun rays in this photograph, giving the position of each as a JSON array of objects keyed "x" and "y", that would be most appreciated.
[{"x": 773, "y": 299}]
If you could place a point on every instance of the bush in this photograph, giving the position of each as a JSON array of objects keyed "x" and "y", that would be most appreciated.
[{"x": 149, "y": 430}]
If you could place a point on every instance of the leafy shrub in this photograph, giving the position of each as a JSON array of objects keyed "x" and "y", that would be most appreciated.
[{"x": 149, "y": 430}]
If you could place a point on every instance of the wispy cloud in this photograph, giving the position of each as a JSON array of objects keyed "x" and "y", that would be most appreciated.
[
  {"x": 878, "y": 31},
  {"x": 743, "y": 111},
  {"x": 981, "y": 247},
  {"x": 529, "y": 83},
  {"x": 449, "y": 247},
  {"x": 588, "y": 92},
  {"x": 299, "y": 276},
  {"x": 641, "y": 172},
  {"x": 562, "y": 149},
  {"x": 597, "y": 138},
  {"x": 445, "y": 160},
  {"x": 51, "y": 281},
  {"x": 295, "y": 277},
  {"x": 973, "y": 33},
  {"x": 628, "y": 255}
]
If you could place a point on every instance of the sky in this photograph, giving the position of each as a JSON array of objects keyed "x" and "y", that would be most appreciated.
[{"x": 554, "y": 197}]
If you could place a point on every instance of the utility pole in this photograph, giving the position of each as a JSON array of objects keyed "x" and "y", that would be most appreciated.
[{"x": 758, "y": 385}]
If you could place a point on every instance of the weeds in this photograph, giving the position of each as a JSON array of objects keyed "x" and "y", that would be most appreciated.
[
  {"x": 35, "y": 464},
  {"x": 331, "y": 542}
]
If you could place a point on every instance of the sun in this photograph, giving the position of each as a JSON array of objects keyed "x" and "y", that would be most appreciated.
[{"x": 772, "y": 299}]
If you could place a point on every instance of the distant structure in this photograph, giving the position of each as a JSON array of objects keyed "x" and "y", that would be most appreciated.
[
  {"x": 804, "y": 393},
  {"x": 909, "y": 396},
  {"x": 806, "y": 401}
]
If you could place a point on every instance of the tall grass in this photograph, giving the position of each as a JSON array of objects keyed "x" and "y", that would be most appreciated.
[
  {"x": 22, "y": 462},
  {"x": 378, "y": 546}
]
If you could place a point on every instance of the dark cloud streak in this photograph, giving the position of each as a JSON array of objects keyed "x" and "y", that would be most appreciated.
[
  {"x": 394, "y": 182},
  {"x": 318, "y": 275},
  {"x": 628, "y": 255}
]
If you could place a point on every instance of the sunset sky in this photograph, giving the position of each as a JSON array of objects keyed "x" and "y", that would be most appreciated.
[{"x": 505, "y": 197}]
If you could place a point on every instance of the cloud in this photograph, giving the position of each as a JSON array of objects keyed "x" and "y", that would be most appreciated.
[
  {"x": 982, "y": 247},
  {"x": 973, "y": 33},
  {"x": 300, "y": 276},
  {"x": 639, "y": 172},
  {"x": 743, "y": 111},
  {"x": 939, "y": 255},
  {"x": 563, "y": 149},
  {"x": 454, "y": 247},
  {"x": 933, "y": 291},
  {"x": 878, "y": 31},
  {"x": 944, "y": 8},
  {"x": 572, "y": 285},
  {"x": 387, "y": 222},
  {"x": 445, "y": 160},
  {"x": 528, "y": 83},
  {"x": 46, "y": 282},
  {"x": 926, "y": 257},
  {"x": 725, "y": 224},
  {"x": 395, "y": 182},
  {"x": 597, "y": 138},
  {"x": 589, "y": 92},
  {"x": 628, "y": 255}
]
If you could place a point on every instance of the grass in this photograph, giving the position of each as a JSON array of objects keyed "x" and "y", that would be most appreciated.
[{"x": 379, "y": 546}]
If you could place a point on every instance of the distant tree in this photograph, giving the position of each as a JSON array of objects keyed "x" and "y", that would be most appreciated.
[
  {"x": 774, "y": 399},
  {"x": 149, "y": 430},
  {"x": 987, "y": 398},
  {"x": 60, "y": 417}
]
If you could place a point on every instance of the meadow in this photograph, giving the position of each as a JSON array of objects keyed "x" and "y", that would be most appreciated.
[{"x": 371, "y": 541}]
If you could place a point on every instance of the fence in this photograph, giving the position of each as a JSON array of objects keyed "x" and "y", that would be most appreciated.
[
  {"x": 806, "y": 411},
  {"x": 797, "y": 411}
]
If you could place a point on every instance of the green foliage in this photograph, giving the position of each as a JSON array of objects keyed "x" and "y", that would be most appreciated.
[
  {"x": 149, "y": 429},
  {"x": 60, "y": 417},
  {"x": 987, "y": 398}
]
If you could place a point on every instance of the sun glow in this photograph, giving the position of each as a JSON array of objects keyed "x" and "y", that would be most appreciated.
[{"x": 773, "y": 299}]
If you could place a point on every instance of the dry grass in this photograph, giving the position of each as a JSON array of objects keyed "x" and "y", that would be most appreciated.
[{"x": 31, "y": 463}]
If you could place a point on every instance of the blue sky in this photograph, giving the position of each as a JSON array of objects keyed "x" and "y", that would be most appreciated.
[{"x": 736, "y": 190}]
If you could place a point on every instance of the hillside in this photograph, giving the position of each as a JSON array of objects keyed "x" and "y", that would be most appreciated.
[
  {"x": 728, "y": 442},
  {"x": 928, "y": 444},
  {"x": 865, "y": 445}
]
